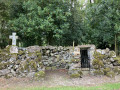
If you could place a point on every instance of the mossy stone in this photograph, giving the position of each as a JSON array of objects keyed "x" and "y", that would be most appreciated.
[
  {"x": 106, "y": 70},
  {"x": 4, "y": 65},
  {"x": 116, "y": 70},
  {"x": 97, "y": 64},
  {"x": 48, "y": 68},
  {"x": 112, "y": 53},
  {"x": 20, "y": 52},
  {"x": 99, "y": 56},
  {"x": 33, "y": 65},
  {"x": 39, "y": 75},
  {"x": 76, "y": 75},
  {"x": 53, "y": 68},
  {"x": 110, "y": 74},
  {"x": 75, "y": 60},
  {"x": 98, "y": 72}
]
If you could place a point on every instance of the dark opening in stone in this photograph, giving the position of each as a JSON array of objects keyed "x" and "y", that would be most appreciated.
[{"x": 85, "y": 61}]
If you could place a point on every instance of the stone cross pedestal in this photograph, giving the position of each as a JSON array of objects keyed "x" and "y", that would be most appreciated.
[{"x": 13, "y": 37}]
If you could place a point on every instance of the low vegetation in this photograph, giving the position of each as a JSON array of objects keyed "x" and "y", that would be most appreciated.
[{"x": 115, "y": 86}]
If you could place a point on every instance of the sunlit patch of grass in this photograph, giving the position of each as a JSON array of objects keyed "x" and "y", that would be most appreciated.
[{"x": 114, "y": 86}]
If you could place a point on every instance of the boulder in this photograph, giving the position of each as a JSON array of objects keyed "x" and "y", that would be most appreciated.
[
  {"x": 13, "y": 49},
  {"x": 33, "y": 49},
  {"x": 4, "y": 72}
]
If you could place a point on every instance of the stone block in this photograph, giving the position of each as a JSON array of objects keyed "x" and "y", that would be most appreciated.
[{"x": 13, "y": 49}]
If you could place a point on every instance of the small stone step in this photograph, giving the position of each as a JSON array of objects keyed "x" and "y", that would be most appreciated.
[
  {"x": 85, "y": 69},
  {"x": 86, "y": 73}
]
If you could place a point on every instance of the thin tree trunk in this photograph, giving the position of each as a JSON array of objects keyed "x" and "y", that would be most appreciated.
[{"x": 116, "y": 44}]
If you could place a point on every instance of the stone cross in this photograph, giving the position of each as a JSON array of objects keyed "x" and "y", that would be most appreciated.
[{"x": 13, "y": 37}]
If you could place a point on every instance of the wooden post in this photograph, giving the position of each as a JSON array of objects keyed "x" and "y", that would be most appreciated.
[
  {"x": 73, "y": 45},
  {"x": 115, "y": 44}
]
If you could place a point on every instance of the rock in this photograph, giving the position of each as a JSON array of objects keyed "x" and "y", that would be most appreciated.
[
  {"x": 99, "y": 50},
  {"x": 112, "y": 54},
  {"x": 31, "y": 74},
  {"x": 13, "y": 72},
  {"x": 107, "y": 50},
  {"x": 32, "y": 49},
  {"x": 12, "y": 59},
  {"x": 112, "y": 60},
  {"x": 103, "y": 51},
  {"x": 4, "y": 72},
  {"x": 13, "y": 49}
]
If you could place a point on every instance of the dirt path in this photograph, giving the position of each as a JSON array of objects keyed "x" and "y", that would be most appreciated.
[{"x": 56, "y": 78}]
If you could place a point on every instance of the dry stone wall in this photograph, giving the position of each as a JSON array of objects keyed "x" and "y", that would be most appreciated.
[
  {"x": 34, "y": 60},
  {"x": 106, "y": 62}
]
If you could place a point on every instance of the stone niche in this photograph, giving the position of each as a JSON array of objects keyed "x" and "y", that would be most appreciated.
[{"x": 85, "y": 54}]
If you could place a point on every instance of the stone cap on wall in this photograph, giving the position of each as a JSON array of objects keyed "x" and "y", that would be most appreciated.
[{"x": 85, "y": 46}]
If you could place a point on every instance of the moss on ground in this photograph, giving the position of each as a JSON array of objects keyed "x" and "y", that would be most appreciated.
[
  {"x": 110, "y": 74},
  {"x": 76, "y": 75},
  {"x": 98, "y": 72},
  {"x": 39, "y": 75}
]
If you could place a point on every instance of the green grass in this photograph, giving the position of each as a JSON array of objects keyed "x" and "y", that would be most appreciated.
[{"x": 115, "y": 86}]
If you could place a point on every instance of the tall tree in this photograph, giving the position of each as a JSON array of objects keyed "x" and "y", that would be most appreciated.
[
  {"x": 41, "y": 22},
  {"x": 4, "y": 17},
  {"x": 103, "y": 19}
]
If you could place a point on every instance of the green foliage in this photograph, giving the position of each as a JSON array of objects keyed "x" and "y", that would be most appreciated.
[
  {"x": 60, "y": 22},
  {"x": 4, "y": 17},
  {"x": 41, "y": 22},
  {"x": 103, "y": 22}
]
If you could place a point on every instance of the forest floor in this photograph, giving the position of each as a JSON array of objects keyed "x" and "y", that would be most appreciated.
[{"x": 55, "y": 79}]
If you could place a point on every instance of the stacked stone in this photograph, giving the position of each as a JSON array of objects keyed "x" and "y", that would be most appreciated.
[
  {"x": 25, "y": 63},
  {"x": 55, "y": 57},
  {"x": 106, "y": 63},
  {"x": 34, "y": 60}
]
